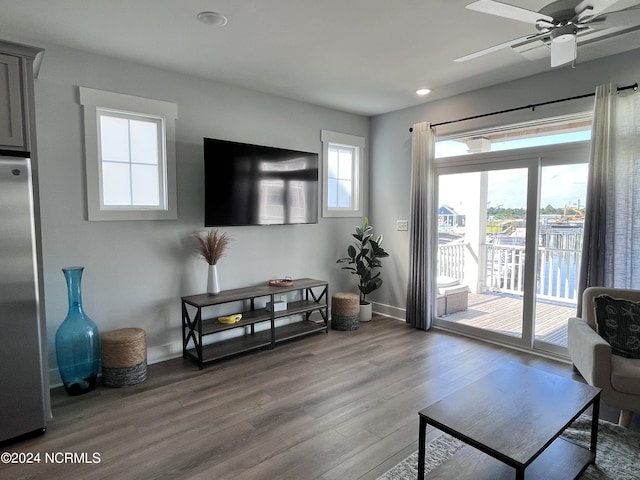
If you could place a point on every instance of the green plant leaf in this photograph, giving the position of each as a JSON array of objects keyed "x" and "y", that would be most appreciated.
[
  {"x": 364, "y": 258},
  {"x": 372, "y": 285}
]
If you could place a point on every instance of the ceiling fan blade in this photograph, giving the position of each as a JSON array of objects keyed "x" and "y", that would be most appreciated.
[
  {"x": 500, "y": 46},
  {"x": 564, "y": 49},
  {"x": 508, "y": 11},
  {"x": 588, "y": 9},
  {"x": 621, "y": 18},
  {"x": 533, "y": 50}
]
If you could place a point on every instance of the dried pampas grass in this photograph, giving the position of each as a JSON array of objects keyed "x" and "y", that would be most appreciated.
[{"x": 212, "y": 246}]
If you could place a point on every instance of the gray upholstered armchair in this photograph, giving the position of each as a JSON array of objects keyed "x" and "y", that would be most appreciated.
[{"x": 594, "y": 357}]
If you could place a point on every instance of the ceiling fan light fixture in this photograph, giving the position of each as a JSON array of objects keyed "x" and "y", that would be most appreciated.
[
  {"x": 561, "y": 21},
  {"x": 213, "y": 18},
  {"x": 564, "y": 49},
  {"x": 567, "y": 37}
]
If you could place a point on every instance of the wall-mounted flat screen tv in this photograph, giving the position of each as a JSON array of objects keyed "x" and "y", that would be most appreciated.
[{"x": 258, "y": 185}]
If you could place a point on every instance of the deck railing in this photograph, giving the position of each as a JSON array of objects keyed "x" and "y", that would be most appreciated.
[
  {"x": 451, "y": 260},
  {"x": 505, "y": 268},
  {"x": 558, "y": 273},
  {"x": 557, "y": 269}
]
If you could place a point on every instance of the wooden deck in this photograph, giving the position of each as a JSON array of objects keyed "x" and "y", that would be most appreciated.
[{"x": 503, "y": 314}]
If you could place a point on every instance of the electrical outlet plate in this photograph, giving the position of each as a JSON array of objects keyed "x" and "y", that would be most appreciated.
[{"x": 402, "y": 225}]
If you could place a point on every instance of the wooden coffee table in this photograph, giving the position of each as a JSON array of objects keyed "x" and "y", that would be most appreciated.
[{"x": 511, "y": 421}]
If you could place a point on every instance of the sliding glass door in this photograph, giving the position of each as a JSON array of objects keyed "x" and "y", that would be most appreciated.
[
  {"x": 482, "y": 220},
  {"x": 563, "y": 190},
  {"x": 509, "y": 237}
]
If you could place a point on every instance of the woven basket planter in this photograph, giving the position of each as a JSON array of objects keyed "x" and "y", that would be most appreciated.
[
  {"x": 345, "y": 311},
  {"x": 124, "y": 357}
]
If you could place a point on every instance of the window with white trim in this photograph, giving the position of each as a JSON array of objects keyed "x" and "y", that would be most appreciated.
[
  {"x": 130, "y": 156},
  {"x": 342, "y": 175}
]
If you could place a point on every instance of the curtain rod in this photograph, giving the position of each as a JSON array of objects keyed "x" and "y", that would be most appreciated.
[{"x": 526, "y": 107}]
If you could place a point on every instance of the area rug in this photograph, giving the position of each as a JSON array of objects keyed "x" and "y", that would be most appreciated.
[{"x": 617, "y": 458}]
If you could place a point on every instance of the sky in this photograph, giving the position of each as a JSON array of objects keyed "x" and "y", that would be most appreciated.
[{"x": 562, "y": 185}]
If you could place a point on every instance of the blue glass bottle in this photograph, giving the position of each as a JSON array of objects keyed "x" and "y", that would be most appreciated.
[{"x": 77, "y": 341}]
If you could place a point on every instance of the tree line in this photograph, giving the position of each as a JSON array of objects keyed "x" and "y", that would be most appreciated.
[{"x": 502, "y": 213}]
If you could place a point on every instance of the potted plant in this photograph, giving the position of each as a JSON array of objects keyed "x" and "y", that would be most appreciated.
[
  {"x": 363, "y": 259},
  {"x": 212, "y": 247}
]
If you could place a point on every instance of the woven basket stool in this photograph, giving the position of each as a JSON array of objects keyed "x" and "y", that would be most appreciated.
[
  {"x": 124, "y": 357},
  {"x": 345, "y": 311}
]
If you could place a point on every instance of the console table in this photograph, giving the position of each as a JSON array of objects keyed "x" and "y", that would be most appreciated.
[{"x": 313, "y": 295}]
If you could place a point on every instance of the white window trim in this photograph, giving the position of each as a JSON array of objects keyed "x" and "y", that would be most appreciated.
[
  {"x": 92, "y": 100},
  {"x": 351, "y": 141}
]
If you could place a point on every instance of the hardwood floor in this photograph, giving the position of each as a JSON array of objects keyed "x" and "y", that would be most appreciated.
[{"x": 335, "y": 406}]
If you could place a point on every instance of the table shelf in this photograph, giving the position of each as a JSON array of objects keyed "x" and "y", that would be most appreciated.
[{"x": 562, "y": 460}]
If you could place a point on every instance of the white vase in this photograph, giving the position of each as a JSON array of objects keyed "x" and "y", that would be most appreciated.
[
  {"x": 213, "y": 286},
  {"x": 365, "y": 312}
]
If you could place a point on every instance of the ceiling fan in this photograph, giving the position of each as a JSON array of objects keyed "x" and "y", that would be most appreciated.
[{"x": 559, "y": 25}]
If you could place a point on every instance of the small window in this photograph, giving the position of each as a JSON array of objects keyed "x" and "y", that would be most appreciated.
[
  {"x": 131, "y": 160},
  {"x": 130, "y": 157},
  {"x": 343, "y": 170}
]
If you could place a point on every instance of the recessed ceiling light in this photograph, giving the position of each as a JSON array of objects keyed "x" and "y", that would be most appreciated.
[
  {"x": 423, "y": 91},
  {"x": 213, "y": 18}
]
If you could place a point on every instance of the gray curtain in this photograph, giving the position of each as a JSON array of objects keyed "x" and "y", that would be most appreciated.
[
  {"x": 422, "y": 221},
  {"x": 611, "y": 247}
]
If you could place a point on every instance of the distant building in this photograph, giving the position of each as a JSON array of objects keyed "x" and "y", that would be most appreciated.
[{"x": 448, "y": 217}]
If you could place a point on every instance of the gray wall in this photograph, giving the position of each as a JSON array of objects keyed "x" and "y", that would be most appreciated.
[
  {"x": 391, "y": 145},
  {"x": 136, "y": 271}
]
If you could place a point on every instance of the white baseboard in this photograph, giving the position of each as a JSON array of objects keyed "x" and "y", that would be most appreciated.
[
  {"x": 389, "y": 311},
  {"x": 163, "y": 352}
]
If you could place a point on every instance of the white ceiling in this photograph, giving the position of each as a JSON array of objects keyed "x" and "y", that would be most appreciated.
[{"x": 361, "y": 56}]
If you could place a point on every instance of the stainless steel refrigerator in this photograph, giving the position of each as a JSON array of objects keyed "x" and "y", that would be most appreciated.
[{"x": 24, "y": 386}]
